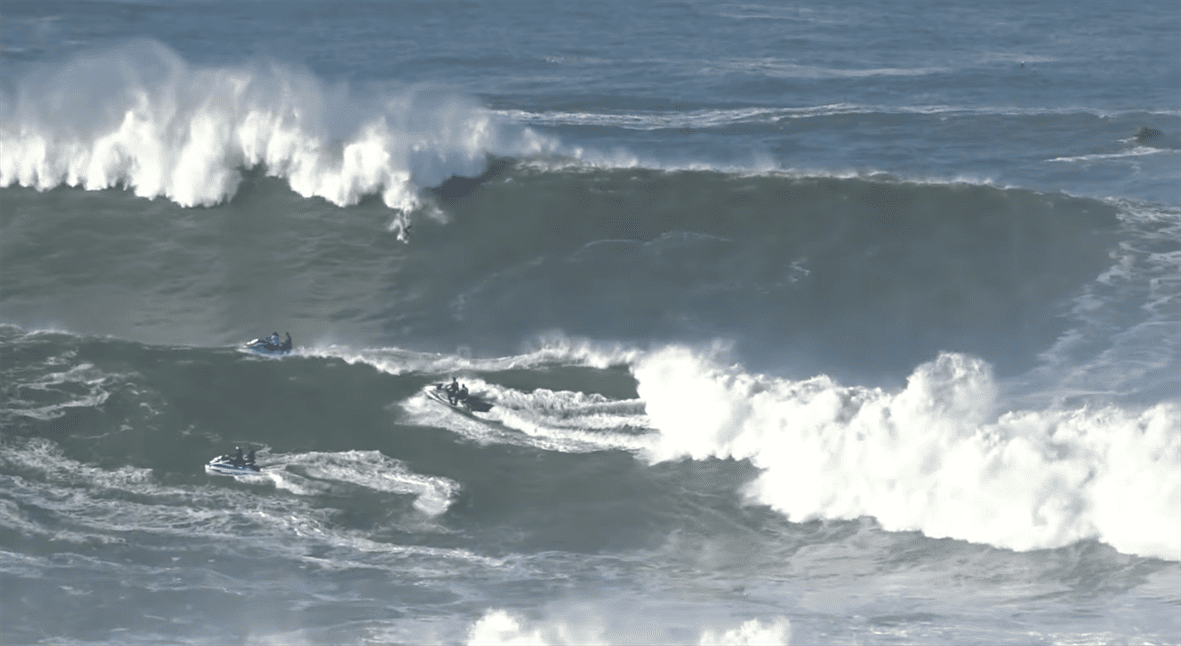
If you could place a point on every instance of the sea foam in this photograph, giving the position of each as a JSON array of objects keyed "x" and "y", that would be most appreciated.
[
  {"x": 940, "y": 456},
  {"x": 321, "y": 472},
  {"x": 504, "y": 628},
  {"x": 140, "y": 117}
]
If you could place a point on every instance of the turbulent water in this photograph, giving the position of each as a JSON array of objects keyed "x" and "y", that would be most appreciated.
[{"x": 803, "y": 323}]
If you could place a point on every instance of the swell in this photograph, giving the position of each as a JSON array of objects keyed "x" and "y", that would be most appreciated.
[
  {"x": 854, "y": 272},
  {"x": 819, "y": 273}
]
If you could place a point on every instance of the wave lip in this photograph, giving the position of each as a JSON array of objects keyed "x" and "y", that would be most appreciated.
[
  {"x": 140, "y": 117},
  {"x": 768, "y": 115},
  {"x": 930, "y": 458}
]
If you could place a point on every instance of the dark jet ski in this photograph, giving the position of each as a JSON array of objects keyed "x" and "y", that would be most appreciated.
[
  {"x": 456, "y": 398},
  {"x": 232, "y": 465},
  {"x": 270, "y": 345}
]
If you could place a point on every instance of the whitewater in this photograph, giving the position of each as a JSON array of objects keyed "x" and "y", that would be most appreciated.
[{"x": 800, "y": 324}]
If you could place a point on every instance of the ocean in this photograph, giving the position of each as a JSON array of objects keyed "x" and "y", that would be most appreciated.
[{"x": 802, "y": 322}]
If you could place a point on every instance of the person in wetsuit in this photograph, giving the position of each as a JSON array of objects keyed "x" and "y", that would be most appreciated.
[
  {"x": 238, "y": 461},
  {"x": 286, "y": 345}
]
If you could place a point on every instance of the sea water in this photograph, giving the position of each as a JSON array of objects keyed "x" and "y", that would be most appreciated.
[{"x": 808, "y": 323}]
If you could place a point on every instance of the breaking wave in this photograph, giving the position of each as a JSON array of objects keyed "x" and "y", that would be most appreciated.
[
  {"x": 940, "y": 456},
  {"x": 140, "y": 117}
]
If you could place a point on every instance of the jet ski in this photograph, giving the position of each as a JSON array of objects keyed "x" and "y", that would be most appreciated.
[
  {"x": 271, "y": 345},
  {"x": 225, "y": 465},
  {"x": 464, "y": 402}
]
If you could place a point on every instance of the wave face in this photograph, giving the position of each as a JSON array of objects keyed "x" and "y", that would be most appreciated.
[
  {"x": 804, "y": 274},
  {"x": 799, "y": 325}
]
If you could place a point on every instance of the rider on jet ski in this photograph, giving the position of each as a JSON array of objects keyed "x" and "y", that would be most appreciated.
[
  {"x": 237, "y": 461},
  {"x": 272, "y": 343}
]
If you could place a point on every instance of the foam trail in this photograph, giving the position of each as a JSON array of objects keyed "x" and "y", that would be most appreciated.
[
  {"x": 934, "y": 457},
  {"x": 140, "y": 117},
  {"x": 319, "y": 471},
  {"x": 522, "y": 419},
  {"x": 547, "y": 351}
]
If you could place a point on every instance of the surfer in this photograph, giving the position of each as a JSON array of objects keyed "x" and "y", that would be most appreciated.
[{"x": 249, "y": 457}]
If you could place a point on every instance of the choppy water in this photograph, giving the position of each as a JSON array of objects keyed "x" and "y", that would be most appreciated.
[{"x": 802, "y": 323}]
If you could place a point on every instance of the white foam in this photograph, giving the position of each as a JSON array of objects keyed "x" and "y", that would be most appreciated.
[
  {"x": 80, "y": 386},
  {"x": 937, "y": 456},
  {"x": 752, "y": 633},
  {"x": 757, "y": 165},
  {"x": 549, "y": 349},
  {"x": 86, "y": 504},
  {"x": 1123, "y": 338},
  {"x": 317, "y": 472},
  {"x": 721, "y": 118},
  {"x": 90, "y": 504},
  {"x": 1138, "y": 151},
  {"x": 571, "y": 422},
  {"x": 561, "y": 421},
  {"x": 140, "y": 117},
  {"x": 425, "y": 411},
  {"x": 499, "y": 627}
]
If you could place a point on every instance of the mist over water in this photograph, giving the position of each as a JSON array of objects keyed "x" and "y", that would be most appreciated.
[{"x": 799, "y": 324}]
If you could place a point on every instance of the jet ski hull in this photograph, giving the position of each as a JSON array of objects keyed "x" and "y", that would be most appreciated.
[
  {"x": 471, "y": 404},
  {"x": 262, "y": 347},
  {"x": 223, "y": 467}
]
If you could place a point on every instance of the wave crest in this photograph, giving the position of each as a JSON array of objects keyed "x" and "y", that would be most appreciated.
[{"x": 140, "y": 117}]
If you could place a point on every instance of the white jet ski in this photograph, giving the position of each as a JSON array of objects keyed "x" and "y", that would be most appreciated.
[
  {"x": 270, "y": 346},
  {"x": 223, "y": 465},
  {"x": 469, "y": 403}
]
